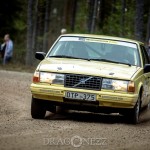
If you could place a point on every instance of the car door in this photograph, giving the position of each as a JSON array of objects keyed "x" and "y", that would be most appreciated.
[{"x": 146, "y": 84}]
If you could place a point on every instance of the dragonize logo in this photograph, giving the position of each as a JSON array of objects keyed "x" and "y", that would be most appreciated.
[{"x": 75, "y": 141}]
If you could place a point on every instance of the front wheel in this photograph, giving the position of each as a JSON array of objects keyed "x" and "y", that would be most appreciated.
[
  {"x": 38, "y": 109},
  {"x": 135, "y": 113}
]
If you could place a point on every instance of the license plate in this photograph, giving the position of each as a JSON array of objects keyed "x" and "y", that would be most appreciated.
[{"x": 80, "y": 96}]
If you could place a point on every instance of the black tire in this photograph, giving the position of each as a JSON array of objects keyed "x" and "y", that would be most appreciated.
[
  {"x": 38, "y": 109},
  {"x": 62, "y": 110},
  {"x": 135, "y": 113}
]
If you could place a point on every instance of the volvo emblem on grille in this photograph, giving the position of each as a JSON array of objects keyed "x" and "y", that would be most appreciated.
[{"x": 82, "y": 81}]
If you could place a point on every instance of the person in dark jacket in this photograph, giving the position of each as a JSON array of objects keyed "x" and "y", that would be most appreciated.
[{"x": 2, "y": 49}]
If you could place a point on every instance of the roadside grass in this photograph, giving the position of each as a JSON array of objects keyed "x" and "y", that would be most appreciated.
[{"x": 17, "y": 67}]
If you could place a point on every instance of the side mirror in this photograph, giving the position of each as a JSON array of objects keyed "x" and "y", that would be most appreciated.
[
  {"x": 40, "y": 55},
  {"x": 147, "y": 68}
]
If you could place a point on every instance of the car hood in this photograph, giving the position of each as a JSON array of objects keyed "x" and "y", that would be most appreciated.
[{"x": 96, "y": 68}]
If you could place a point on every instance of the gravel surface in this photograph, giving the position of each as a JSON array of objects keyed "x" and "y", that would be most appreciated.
[{"x": 71, "y": 130}]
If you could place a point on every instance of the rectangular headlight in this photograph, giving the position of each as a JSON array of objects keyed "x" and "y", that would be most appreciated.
[
  {"x": 116, "y": 85},
  {"x": 51, "y": 78}
]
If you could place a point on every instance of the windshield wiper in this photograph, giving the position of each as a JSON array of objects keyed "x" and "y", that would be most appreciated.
[
  {"x": 124, "y": 63},
  {"x": 111, "y": 61},
  {"x": 65, "y": 56},
  {"x": 95, "y": 59}
]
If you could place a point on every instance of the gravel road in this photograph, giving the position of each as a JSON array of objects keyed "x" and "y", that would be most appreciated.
[{"x": 69, "y": 130}]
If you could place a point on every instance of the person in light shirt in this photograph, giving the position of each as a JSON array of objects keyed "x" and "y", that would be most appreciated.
[{"x": 8, "y": 49}]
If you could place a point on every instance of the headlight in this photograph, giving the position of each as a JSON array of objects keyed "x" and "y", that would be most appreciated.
[
  {"x": 118, "y": 85},
  {"x": 51, "y": 78}
]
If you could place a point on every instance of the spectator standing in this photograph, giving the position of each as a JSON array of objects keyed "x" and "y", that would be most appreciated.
[
  {"x": 8, "y": 49},
  {"x": 63, "y": 31}
]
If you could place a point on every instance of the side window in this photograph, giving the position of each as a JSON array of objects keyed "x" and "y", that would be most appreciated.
[{"x": 144, "y": 55}]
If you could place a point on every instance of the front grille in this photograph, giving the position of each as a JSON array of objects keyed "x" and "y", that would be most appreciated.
[{"x": 83, "y": 81}]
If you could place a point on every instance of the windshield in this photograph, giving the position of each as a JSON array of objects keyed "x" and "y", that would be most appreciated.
[{"x": 96, "y": 49}]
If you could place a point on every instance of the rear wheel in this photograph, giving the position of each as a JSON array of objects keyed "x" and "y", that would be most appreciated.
[{"x": 38, "y": 108}]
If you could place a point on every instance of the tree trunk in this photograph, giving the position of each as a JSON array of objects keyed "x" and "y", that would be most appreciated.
[
  {"x": 73, "y": 18},
  {"x": 139, "y": 23},
  {"x": 99, "y": 20},
  {"x": 90, "y": 14},
  {"x": 94, "y": 17},
  {"x": 29, "y": 53},
  {"x": 46, "y": 25},
  {"x": 34, "y": 36},
  {"x": 148, "y": 28},
  {"x": 123, "y": 16},
  {"x": 40, "y": 25},
  {"x": 67, "y": 12}
]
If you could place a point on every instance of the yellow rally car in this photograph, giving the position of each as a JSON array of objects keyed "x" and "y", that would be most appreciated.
[{"x": 92, "y": 73}]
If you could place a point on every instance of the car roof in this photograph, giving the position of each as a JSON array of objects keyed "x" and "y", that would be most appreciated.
[{"x": 103, "y": 37}]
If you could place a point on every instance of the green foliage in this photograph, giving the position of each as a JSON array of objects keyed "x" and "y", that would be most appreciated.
[
  {"x": 113, "y": 26},
  {"x": 13, "y": 20},
  {"x": 112, "y": 23},
  {"x": 81, "y": 17},
  {"x": 9, "y": 12}
]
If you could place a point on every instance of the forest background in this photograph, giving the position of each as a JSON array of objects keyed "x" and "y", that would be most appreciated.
[{"x": 35, "y": 24}]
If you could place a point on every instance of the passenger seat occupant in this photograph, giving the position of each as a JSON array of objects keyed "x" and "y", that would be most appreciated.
[
  {"x": 79, "y": 50},
  {"x": 130, "y": 57},
  {"x": 120, "y": 54}
]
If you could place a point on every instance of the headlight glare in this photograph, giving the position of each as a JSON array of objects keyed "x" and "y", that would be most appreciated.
[
  {"x": 116, "y": 85},
  {"x": 51, "y": 78}
]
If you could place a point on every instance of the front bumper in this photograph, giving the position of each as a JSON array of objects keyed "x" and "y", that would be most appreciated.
[{"x": 56, "y": 94}]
